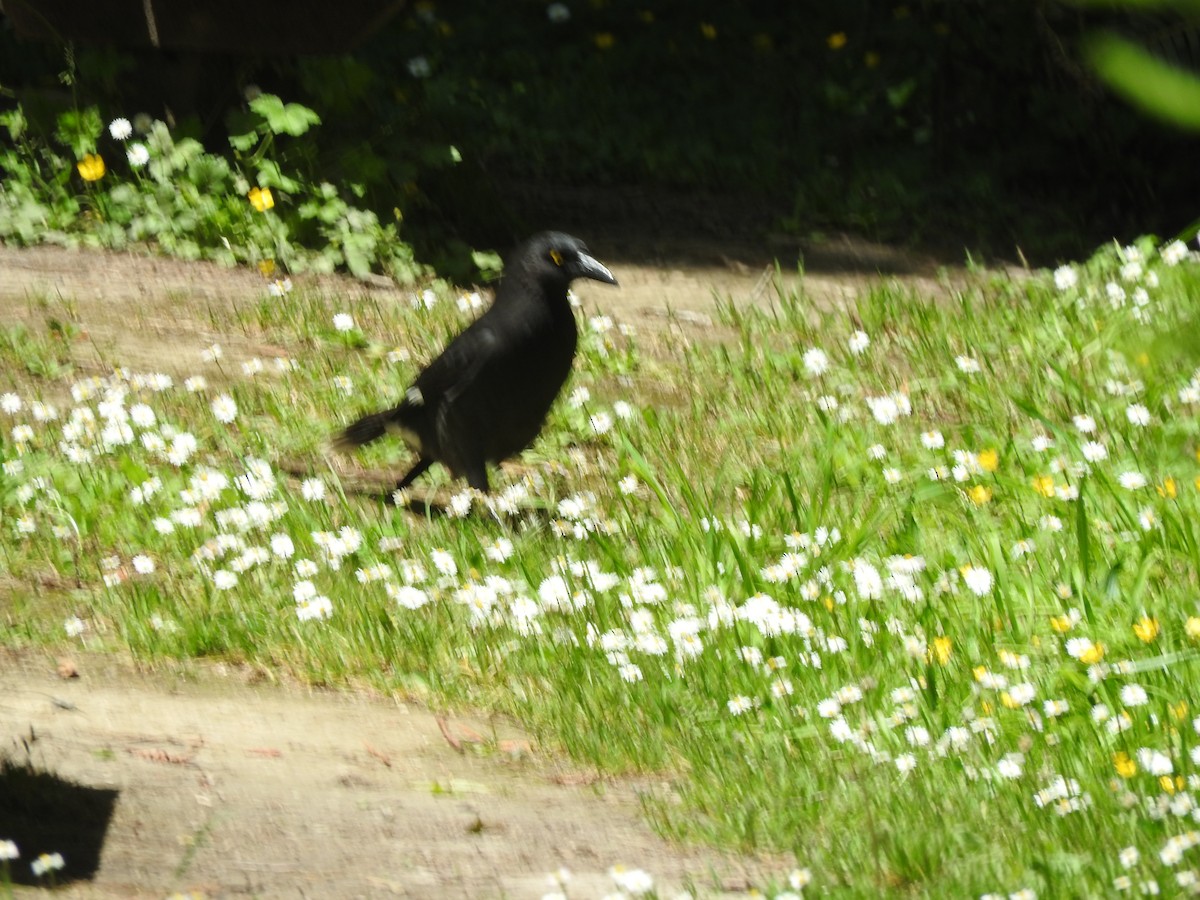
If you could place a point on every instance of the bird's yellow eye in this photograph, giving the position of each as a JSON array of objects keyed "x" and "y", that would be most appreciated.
[{"x": 557, "y": 257}]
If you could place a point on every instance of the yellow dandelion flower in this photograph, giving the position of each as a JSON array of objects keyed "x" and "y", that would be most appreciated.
[
  {"x": 91, "y": 167},
  {"x": 836, "y": 41},
  {"x": 1061, "y": 624},
  {"x": 828, "y": 601},
  {"x": 267, "y": 267},
  {"x": 1124, "y": 765},
  {"x": 1198, "y": 482},
  {"x": 1007, "y": 700},
  {"x": 1092, "y": 655},
  {"x": 941, "y": 649},
  {"x": 871, "y": 59},
  {"x": 1143, "y": 359},
  {"x": 1179, "y": 711},
  {"x": 1168, "y": 489},
  {"x": 1192, "y": 628},
  {"x": 1146, "y": 629},
  {"x": 989, "y": 460},
  {"x": 980, "y": 494},
  {"x": 1167, "y": 783},
  {"x": 708, "y": 30},
  {"x": 604, "y": 40},
  {"x": 986, "y": 708},
  {"x": 1044, "y": 485},
  {"x": 980, "y": 672},
  {"x": 261, "y": 199}
]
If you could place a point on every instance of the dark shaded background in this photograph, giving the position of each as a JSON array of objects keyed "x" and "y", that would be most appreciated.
[{"x": 952, "y": 125}]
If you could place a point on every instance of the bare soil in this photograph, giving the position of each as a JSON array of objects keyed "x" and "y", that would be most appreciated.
[
  {"x": 234, "y": 789},
  {"x": 151, "y": 313},
  {"x": 238, "y": 790}
]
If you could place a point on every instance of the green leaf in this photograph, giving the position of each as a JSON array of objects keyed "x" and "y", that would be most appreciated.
[
  {"x": 1163, "y": 661},
  {"x": 1143, "y": 577},
  {"x": 270, "y": 175},
  {"x": 358, "y": 255},
  {"x": 243, "y": 142},
  {"x": 14, "y": 122},
  {"x": 899, "y": 95},
  {"x": 79, "y": 129},
  {"x": 1083, "y": 537},
  {"x": 245, "y": 128},
  {"x": 490, "y": 264},
  {"x": 284, "y": 118},
  {"x": 1161, "y": 90},
  {"x": 134, "y": 473}
]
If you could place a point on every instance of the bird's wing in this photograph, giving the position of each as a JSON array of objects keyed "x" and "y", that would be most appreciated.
[{"x": 444, "y": 379}]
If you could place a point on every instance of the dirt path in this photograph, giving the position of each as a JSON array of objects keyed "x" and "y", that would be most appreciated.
[
  {"x": 264, "y": 791},
  {"x": 155, "y": 314},
  {"x": 233, "y": 790}
]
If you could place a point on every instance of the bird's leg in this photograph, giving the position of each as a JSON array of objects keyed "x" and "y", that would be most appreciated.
[
  {"x": 421, "y": 467},
  {"x": 477, "y": 476}
]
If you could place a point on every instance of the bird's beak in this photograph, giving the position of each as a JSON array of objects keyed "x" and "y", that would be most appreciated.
[{"x": 594, "y": 269}]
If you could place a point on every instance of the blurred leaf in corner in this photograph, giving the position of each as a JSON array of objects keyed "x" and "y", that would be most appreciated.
[{"x": 1164, "y": 91}]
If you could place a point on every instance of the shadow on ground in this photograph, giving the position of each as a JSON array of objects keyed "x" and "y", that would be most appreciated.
[{"x": 42, "y": 813}]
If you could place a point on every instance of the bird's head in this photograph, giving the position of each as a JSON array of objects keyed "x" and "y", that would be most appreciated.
[{"x": 559, "y": 256}]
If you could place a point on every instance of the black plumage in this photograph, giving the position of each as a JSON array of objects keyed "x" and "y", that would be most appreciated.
[{"x": 486, "y": 396}]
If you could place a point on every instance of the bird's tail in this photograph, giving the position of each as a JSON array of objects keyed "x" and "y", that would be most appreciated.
[{"x": 365, "y": 430}]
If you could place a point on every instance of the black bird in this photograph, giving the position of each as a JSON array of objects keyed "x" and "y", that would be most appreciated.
[{"x": 486, "y": 396}]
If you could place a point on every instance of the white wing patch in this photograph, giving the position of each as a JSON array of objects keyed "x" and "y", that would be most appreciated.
[{"x": 414, "y": 397}]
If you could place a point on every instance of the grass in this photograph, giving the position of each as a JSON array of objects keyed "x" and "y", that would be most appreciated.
[{"x": 919, "y": 608}]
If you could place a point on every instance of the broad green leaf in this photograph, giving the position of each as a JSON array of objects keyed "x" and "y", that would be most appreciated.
[
  {"x": 284, "y": 118},
  {"x": 1161, "y": 90}
]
